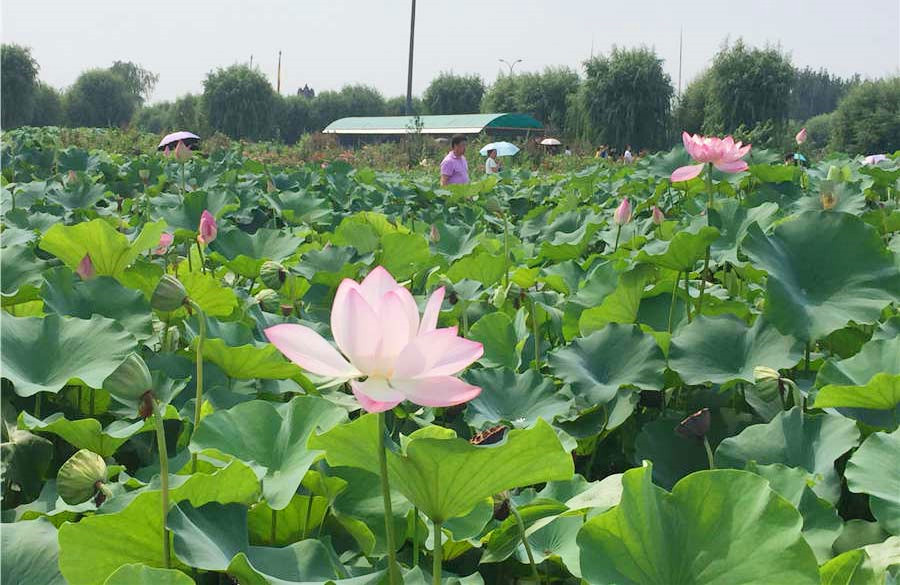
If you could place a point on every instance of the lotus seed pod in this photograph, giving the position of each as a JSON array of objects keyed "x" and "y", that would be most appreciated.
[
  {"x": 79, "y": 477},
  {"x": 286, "y": 310},
  {"x": 268, "y": 300},
  {"x": 828, "y": 199},
  {"x": 169, "y": 294},
  {"x": 129, "y": 381},
  {"x": 272, "y": 274},
  {"x": 761, "y": 373},
  {"x": 695, "y": 426}
]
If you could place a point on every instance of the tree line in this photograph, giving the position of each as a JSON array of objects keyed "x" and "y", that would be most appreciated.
[{"x": 622, "y": 97}]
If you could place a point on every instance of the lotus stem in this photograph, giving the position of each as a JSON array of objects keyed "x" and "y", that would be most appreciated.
[
  {"x": 806, "y": 358},
  {"x": 709, "y": 453},
  {"x": 163, "y": 477},
  {"x": 309, "y": 504},
  {"x": 687, "y": 293},
  {"x": 37, "y": 405},
  {"x": 703, "y": 282},
  {"x": 202, "y": 260},
  {"x": 505, "y": 252},
  {"x": 415, "y": 557},
  {"x": 274, "y": 526},
  {"x": 521, "y": 523},
  {"x": 187, "y": 252},
  {"x": 438, "y": 554},
  {"x": 537, "y": 335},
  {"x": 618, "y": 232},
  {"x": 386, "y": 495},
  {"x": 672, "y": 304},
  {"x": 198, "y": 379},
  {"x": 91, "y": 402}
]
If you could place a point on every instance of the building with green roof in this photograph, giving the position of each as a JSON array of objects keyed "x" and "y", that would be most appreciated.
[{"x": 387, "y": 127}]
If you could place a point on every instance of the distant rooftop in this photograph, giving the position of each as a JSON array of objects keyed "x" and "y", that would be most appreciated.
[{"x": 449, "y": 124}]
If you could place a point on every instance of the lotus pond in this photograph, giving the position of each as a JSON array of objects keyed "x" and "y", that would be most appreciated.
[{"x": 216, "y": 370}]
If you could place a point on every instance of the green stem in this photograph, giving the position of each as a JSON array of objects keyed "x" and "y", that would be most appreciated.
[
  {"x": 438, "y": 554},
  {"x": 465, "y": 319},
  {"x": 202, "y": 260},
  {"x": 537, "y": 335},
  {"x": 687, "y": 294},
  {"x": 807, "y": 358},
  {"x": 672, "y": 304},
  {"x": 618, "y": 232},
  {"x": 703, "y": 282},
  {"x": 37, "y": 405},
  {"x": 415, "y": 557},
  {"x": 198, "y": 379},
  {"x": 274, "y": 527},
  {"x": 187, "y": 252},
  {"x": 309, "y": 504},
  {"x": 505, "y": 253},
  {"x": 709, "y": 453},
  {"x": 91, "y": 402},
  {"x": 386, "y": 495},
  {"x": 163, "y": 478},
  {"x": 515, "y": 512},
  {"x": 709, "y": 188},
  {"x": 182, "y": 180}
]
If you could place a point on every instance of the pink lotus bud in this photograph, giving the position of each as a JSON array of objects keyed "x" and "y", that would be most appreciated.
[
  {"x": 165, "y": 240},
  {"x": 166, "y": 151},
  {"x": 623, "y": 212},
  {"x": 86, "y": 268},
  {"x": 657, "y": 215},
  {"x": 208, "y": 228},
  {"x": 71, "y": 177},
  {"x": 801, "y": 136},
  {"x": 182, "y": 152},
  {"x": 435, "y": 234}
]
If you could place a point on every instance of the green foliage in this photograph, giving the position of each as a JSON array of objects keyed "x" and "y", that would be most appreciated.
[
  {"x": 543, "y": 95},
  {"x": 867, "y": 121},
  {"x": 454, "y": 94},
  {"x": 139, "y": 80},
  {"x": 100, "y": 98},
  {"x": 239, "y": 102},
  {"x": 351, "y": 100},
  {"x": 626, "y": 96},
  {"x": 817, "y": 92},
  {"x": 19, "y": 83},
  {"x": 690, "y": 112},
  {"x": 819, "y": 130},
  {"x": 48, "y": 106}
]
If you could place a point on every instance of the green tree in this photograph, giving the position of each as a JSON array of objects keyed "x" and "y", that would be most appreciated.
[
  {"x": 817, "y": 92},
  {"x": 187, "y": 114},
  {"x": 48, "y": 106},
  {"x": 18, "y": 81},
  {"x": 818, "y": 129},
  {"x": 502, "y": 95},
  {"x": 396, "y": 106},
  {"x": 626, "y": 99},
  {"x": 748, "y": 86},
  {"x": 543, "y": 95},
  {"x": 691, "y": 106},
  {"x": 155, "y": 118},
  {"x": 99, "y": 98},
  {"x": 239, "y": 102},
  {"x": 294, "y": 117},
  {"x": 140, "y": 81},
  {"x": 454, "y": 94},
  {"x": 867, "y": 120},
  {"x": 351, "y": 100}
]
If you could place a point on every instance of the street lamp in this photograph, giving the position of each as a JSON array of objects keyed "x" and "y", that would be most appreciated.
[{"x": 510, "y": 65}]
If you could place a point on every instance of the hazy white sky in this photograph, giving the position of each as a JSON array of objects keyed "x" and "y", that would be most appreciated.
[{"x": 328, "y": 43}]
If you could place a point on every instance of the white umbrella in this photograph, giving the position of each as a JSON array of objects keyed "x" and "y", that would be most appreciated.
[
  {"x": 550, "y": 142},
  {"x": 176, "y": 137},
  {"x": 502, "y": 148}
]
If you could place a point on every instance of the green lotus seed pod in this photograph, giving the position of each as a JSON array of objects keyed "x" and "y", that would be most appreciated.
[
  {"x": 129, "y": 381},
  {"x": 78, "y": 478},
  {"x": 499, "y": 296},
  {"x": 834, "y": 173},
  {"x": 169, "y": 294},
  {"x": 272, "y": 274},
  {"x": 269, "y": 300}
]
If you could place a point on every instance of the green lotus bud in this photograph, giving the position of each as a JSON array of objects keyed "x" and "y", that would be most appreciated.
[
  {"x": 499, "y": 297},
  {"x": 493, "y": 205},
  {"x": 81, "y": 477},
  {"x": 144, "y": 174},
  {"x": 130, "y": 381},
  {"x": 272, "y": 274},
  {"x": 761, "y": 373},
  {"x": 169, "y": 294},
  {"x": 269, "y": 300},
  {"x": 834, "y": 173}
]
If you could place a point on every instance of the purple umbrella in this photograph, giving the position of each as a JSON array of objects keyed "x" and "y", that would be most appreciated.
[{"x": 174, "y": 138}]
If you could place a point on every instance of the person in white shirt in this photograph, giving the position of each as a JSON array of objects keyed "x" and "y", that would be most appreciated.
[
  {"x": 491, "y": 165},
  {"x": 628, "y": 157}
]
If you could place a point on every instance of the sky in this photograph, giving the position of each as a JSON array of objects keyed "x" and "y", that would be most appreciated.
[{"x": 330, "y": 43}]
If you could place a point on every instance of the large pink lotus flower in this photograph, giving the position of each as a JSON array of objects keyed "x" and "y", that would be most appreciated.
[
  {"x": 389, "y": 353},
  {"x": 182, "y": 152},
  {"x": 165, "y": 240},
  {"x": 208, "y": 228},
  {"x": 801, "y": 136},
  {"x": 724, "y": 153},
  {"x": 85, "y": 268}
]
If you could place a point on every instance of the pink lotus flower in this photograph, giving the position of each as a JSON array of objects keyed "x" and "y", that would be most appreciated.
[
  {"x": 165, "y": 240},
  {"x": 623, "y": 212},
  {"x": 166, "y": 151},
  {"x": 86, "y": 268},
  {"x": 182, "y": 152},
  {"x": 724, "y": 153},
  {"x": 208, "y": 228},
  {"x": 389, "y": 353},
  {"x": 874, "y": 159},
  {"x": 801, "y": 136},
  {"x": 657, "y": 215}
]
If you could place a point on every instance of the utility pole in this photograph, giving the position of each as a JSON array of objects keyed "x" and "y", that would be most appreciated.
[
  {"x": 251, "y": 60},
  {"x": 680, "y": 47},
  {"x": 510, "y": 65},
  {"x": 278, "y": 85},
  {"x": 412, "y": 37}
]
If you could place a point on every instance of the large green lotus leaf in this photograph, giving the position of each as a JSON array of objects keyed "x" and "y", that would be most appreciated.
[
  {"x": 850, "y": 568},
  {"x": 185, "y": 218},
  {"x": 360, "y": 510},
  {"x": 873, "y": 470},
  {"x": 723, "y": 349},
  {"x": 825, "y": 269},
  {"x": 721, "y": 527},
  {"x": 210, "y": 537},
  {"x": 870, "y": 379},
  {"x": 482, "y": 267},
  {"x": 214, "y": 298},
  {"x": 81, "y": 194},
  {"x": 290, "y": 523},
  {"x": 885, "y": 558},
  {"x": 86, "y": 433},
  {"x": 44, "y": 354},
  {"x": 619, "y": 306},
  {"x": 364, "y": 231},
  {"x": 21, "y": 271},
  {"x": 447, "y": 477},
  {"x": 821, "y": 523},
  {"x": 24, "y": 460},
  {"x": 143, "y": 575},
  {"x": 30, "y": 553},
  {"x": 245, "y": 253},
  {"x": 403, "y": 255},
  {"x": 454, "y": 242},
  {"x": 733, "y": 220},
  {"x": 566, "y": 245},
  {"x": 809, "y": 441},
  {"x": 251, "y": 361},
  {"x": 598, "y": 365},
  {"x": 111, "y": 252},
  {"x": 103, "y": 295},
  {"x": 300, "y": 207},
  {"x": 93, "y": 548},
  {"x": 682, "y": 252},
  {"x": 502, "y": 348},
  {"x": 519, "y": 399},
  {"x": 271, "y": 438}
]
